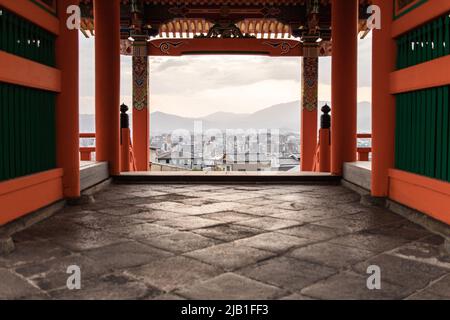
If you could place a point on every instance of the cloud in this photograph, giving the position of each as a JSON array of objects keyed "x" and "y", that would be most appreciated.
[{"x": 200, "y": 85}]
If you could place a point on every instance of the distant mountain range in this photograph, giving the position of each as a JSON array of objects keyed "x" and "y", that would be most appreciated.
[{"x": 285, "y": 116}]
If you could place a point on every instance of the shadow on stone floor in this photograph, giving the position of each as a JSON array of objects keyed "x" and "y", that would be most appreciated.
[{"x": 225, "y": 242}]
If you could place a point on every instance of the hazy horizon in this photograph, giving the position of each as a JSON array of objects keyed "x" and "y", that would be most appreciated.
[{"x": 198, "y": 86}]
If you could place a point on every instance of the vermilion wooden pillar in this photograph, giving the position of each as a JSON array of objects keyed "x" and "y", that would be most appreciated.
[
  {"x": 383, "y": 103},
  {"x": 67, "y": 108},
  {"x": 344, "y": 83},
  {"x": 141, "y": 116},
  {"x": 107, "y": 82},
  {"x": 310, "y": 79}
]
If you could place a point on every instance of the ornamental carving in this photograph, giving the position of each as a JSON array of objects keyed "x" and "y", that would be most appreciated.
[
  {"x": 225, "y": 30},
  {"x": 140, "y": 82},
  {"x": 167, "y": 45},
  {"x": 284, "y": 46},
  {"x": 310, "y": 86}
]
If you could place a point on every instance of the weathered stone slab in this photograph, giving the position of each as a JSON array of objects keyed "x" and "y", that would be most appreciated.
[
  {"x": 188, "y": 223},
  {"x": 230, "y": 286},
  {"x": 406, "y": 273},
  {"x": 228, "y": 216},
  {"x": 268, "y": 223},
  {"x": 141, "y": 231},
  {"x": 312, "y": 231},
  {"x": 52, "y": 274},
  {"x": 331, "y": 255},
  {"x": 14, "y": 287},
  {"x": 371, "y": 242},
  {"x": 180, "y": 242},
  {"x": 351, "y": 286},
  {"x": 109, "y": 287},
  {"x": 172, "y": 273},
  {"x": 228, "y": 232},
  {"x": 125, "y": 255},
  {"x": 230, "y": 256},
  {"x": 273, "y": 241},
  {"x": 32, "y": 252},
  {"x": 287, "y": 273}
]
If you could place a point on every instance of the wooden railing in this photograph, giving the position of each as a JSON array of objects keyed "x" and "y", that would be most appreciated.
[
  {"x": 86, "y": 152},
  {"x": 364, "y": 152}
]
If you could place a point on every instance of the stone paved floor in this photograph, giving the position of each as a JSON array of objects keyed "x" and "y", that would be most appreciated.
[{"x": 225, "y": 242}]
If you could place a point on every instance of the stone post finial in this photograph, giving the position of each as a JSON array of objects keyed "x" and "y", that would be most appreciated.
[
  {"x": 124, "y": 119},
  {"x": 325, "y": 118}
]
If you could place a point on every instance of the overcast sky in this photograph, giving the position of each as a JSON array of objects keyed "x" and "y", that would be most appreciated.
[{"x": 196, "y": 86}]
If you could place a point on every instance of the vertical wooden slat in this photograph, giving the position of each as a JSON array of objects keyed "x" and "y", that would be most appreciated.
[
  {"x": 432, "y": 129},
  {"x": 439, "y": 133},
  {"x": 447, "y": 34},
  {"x": 445, "y": 133},
  {"x": 15, "y": 33},
  {"x": 3, "y": 124},
  {"x": 398, "y": 130}
]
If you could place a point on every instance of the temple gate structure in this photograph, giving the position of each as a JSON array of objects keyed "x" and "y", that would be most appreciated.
[{"x": 39, "y": 95}]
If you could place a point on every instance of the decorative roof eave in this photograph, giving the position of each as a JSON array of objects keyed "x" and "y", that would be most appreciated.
[{"x": 188, "y": 27}]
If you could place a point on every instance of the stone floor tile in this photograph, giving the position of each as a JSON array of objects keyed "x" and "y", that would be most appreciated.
[
  {"x": 440, "y": 287},
  {"x": 331, "y": 255},
  {"x": 310, "y": 215},
  {"x": 371, "y": 242},
  {"x": 13, "y": 286},
  {"x": 267, "y": 210},
  {"x": 406, "y": 273},
  {"x": 423, "y": 251},
  {"x": 230, "y": 286},
  {"x": 167, "y": 297},
  {"x": 348, "y": 225},
  {"x": 149, "y": 193},
  {"x": 188, "y": 223},
  {"x": 153, "y": 215},
  {"x": 403, "y": 230},
  {"x": 296, "y": 297},
  {"x": 180, "y": 242},
  {"x": 233, "y": 196},
  {"x": 198, "y": 201},
  {"x": 273, "y": 241},
  {"x": 173, "y": 273},
  {"x": 86, "y": 239},
  {"x": 142, "y": 231},
  {"x": 375, "y": 215},
  {"x": 425, "y": 295},
  {"x": 228, "y": 216},
  {"x": 351, "y": 286},
  {"x": 52, "y": 274},
  {"x": 124, "y": 210},
  {"x": 268, "y": 223},
  {"x": 228, "y": 232},
  {"x": 108, "y": 287},
  {"x": 125, "y": 255},
  {"x": 260, "y": 202},
  {"x": 229, "y": 256},
  {"x": 32, "y": 251},
  {"x": 313, "y": 231},
  {"x": 100, "y": 221},
  {"x": 288, "y": 273}
]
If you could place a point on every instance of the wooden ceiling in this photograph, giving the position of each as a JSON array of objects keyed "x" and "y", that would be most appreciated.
[{"x": 188, "y": 18}]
